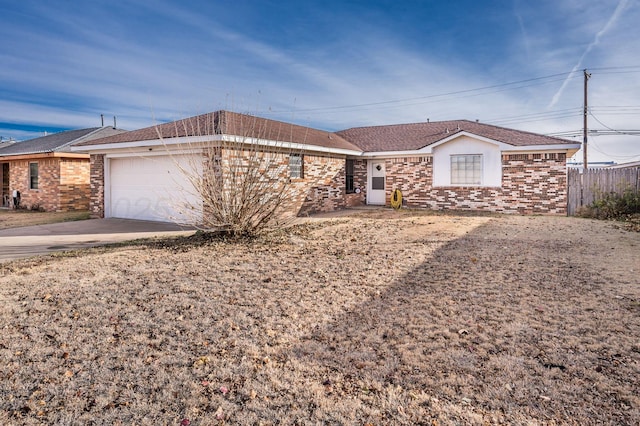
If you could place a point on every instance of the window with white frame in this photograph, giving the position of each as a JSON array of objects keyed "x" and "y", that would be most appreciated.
[
  {"x": 33, "y": 175},
  {"x": 296, "y": 169},
  {"x": 466, "y": 169}
]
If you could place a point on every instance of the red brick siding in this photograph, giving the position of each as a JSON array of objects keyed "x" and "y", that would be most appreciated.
[
  {"x": 412, "y": 176},
  {"x": 535, "y": 183},
  {"x": 74, "y": 192},
  {"x": 359, "y": 183},
  {"x": 46, "y": 196},
  {"x": 321, "y": 189},
  {"x": 96, "y": 187},
  {"x": 531, "y": 183},
  {"x": 323, "y": 186}
]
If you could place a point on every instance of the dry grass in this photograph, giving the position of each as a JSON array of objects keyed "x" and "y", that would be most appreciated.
[
  {"x": 18, "y": 218},
  {"x": 385, "y": 318}
]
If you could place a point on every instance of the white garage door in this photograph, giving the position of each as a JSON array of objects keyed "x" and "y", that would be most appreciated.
[{"x": 153, "y": 188}]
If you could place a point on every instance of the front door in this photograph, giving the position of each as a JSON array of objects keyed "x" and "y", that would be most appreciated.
[{"x": 376, "y": 192}]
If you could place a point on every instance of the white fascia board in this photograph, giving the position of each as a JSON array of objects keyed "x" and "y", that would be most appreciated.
[
  {"x": 128, "y": 153},
  {"x": 192, "y": 140},
  {"x": 148, "y": 143},
  {"x": 538, "y": 148},
  {"x": 295, "y": 146},
  {"x": 505, "y": 148},
  {"x": 395, "y": 154}
]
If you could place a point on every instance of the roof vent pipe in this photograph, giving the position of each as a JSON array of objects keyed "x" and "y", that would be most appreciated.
[
  {"x": 102, "y": 119},
  {"x": 114, "y": 121}
]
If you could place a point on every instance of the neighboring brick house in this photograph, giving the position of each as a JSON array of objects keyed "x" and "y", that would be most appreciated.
[
  {"x": 439, "y": 165},
  {"x": 46, "y": 173}
]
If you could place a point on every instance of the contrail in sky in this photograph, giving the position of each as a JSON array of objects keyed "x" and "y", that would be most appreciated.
[{"x": 616, "y": 14}]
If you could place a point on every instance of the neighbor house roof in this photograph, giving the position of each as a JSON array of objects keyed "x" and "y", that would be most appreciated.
[
  {"x": 57, "y": 142},
  {"x": 231, "y": 123},
  {"x": 4, "y": 144},
  {"x": 414, "y": 136}
]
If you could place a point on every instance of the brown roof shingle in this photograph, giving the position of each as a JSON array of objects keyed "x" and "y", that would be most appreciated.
[
  {"x": 231, "y": 123},
  {"x": 57, "y": 142},
  {"x": 397, "y": 137},
  {"x": 414, "y": 136}
]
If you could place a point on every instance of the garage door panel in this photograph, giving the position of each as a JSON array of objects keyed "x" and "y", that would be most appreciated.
[{"x": 153, "y": 188}]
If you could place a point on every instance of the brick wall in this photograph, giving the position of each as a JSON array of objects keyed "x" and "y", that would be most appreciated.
[
  {"x": 531, "y": 183},
  {"x": 63, "y": 184},
  {"x": 535, "y": 183},
  {"x": 46, "y": 196},
  {"x": 359, "y": 184},
  {"x": 96, "y": 187},
  {"x": 321, "y": 189},
  {"x": 413, "y": 177},
  {"x": 323, "y": 186},
  {"x": 74, "y": 192}
]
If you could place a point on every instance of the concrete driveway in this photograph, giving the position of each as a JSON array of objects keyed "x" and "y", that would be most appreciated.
[{"x": 29, "y": 241}]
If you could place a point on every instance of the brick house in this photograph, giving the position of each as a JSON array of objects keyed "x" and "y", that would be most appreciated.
[
  {"x": 439, "y": 165},
  {"x": 46, "y": 173}
]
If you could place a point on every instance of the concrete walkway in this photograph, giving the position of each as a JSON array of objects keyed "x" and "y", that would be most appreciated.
[{"x": 30, "y": 241}]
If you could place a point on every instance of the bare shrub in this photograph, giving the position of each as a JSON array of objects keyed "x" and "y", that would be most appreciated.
[{"x": 239, "y": 172}]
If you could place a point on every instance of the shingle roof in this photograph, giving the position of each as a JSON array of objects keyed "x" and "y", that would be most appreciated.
[
  {"x": 57, "y": 142},
  {"x": 7, "y": 143},
  {"x": 409, "y": 137},
  {"x": 397, "y": 137},
  {"x": 231, "y": 123}
]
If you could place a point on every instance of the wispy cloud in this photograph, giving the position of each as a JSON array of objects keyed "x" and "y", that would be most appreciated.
[
  {"x": 64, "y": 66},
  {"x": 622, "y": 4}
]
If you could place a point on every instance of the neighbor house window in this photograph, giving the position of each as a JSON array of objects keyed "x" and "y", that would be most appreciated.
[
  {"x": 466, "y": 169},
  {"x": 33, "y": 175},
  {"x": 295, "y": 166},
  {"x": 349, "y": 177}
]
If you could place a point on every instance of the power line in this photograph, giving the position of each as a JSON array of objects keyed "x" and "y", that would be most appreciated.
[
  {"x": 540, "y": 116},
  {"x": 485, "y": 90},
  {"x": 619, "y": 132}
]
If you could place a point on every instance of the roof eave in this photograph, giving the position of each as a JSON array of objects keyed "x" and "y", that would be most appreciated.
[
  {"x": 198, "y": 140},
  {"x": 570, "y": 149}
]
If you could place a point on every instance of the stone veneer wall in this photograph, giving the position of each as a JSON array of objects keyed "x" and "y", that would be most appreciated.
[
  {"x": 96, "y": 187},
  {"x": 531, "y": 183}
]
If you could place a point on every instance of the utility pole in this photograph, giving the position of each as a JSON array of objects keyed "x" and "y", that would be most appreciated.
[{"x": 584, "y": 127}]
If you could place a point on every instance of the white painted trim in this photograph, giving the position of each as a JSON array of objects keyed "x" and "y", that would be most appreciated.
[
  {"x": 370, "y": 181},
  {"x": 214, "y": 138},
  {"x": 106, "y": 201},
  {"x": 426, "y": 151}
]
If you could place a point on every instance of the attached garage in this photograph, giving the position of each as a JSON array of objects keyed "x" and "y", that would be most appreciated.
[{"x": 152, "y": 187}]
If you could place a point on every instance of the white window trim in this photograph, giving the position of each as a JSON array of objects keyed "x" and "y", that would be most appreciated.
[
  {"x": 31, "y": 188},
  {"x": 456, "y": 181}
]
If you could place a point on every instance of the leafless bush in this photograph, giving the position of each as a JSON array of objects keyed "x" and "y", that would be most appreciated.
[{"x": 239, "y": 172}]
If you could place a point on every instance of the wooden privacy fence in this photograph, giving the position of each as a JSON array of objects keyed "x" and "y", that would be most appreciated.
[{"x": 585, "y": 187}]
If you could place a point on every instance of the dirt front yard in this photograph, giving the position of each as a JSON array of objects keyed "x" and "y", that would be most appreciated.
[{"x": 374, "y": 319}]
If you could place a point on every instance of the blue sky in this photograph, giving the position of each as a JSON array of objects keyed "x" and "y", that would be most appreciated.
[{"x": 327, "y": 64}]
